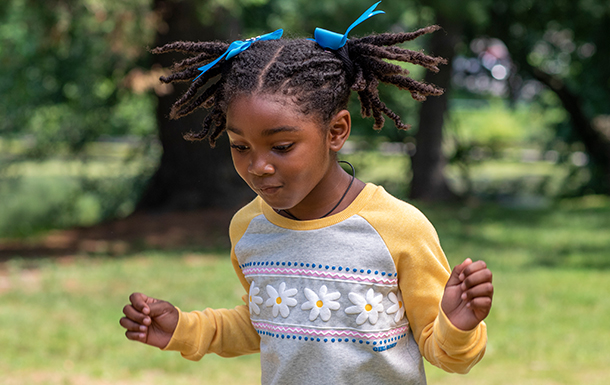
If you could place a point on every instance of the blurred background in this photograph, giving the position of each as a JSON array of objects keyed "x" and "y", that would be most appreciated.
[{"x": 100, "y": 195}]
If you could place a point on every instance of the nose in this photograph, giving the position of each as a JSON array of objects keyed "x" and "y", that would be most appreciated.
[{"x": 260, "y": 166}]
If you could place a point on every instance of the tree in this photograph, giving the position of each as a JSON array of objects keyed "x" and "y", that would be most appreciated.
[
  {"x": 428, "y": 162},
  {"x": 62, "y": 70},
  {"x": 560, "y": 44},
  {"x": 563, "y": 46},
  {"x": 191, "y": 174}
]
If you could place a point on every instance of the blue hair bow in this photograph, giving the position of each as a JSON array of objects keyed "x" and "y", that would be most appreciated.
[
  {"x": 239, "y": 46},
  {"x": 333, "y": 40}
]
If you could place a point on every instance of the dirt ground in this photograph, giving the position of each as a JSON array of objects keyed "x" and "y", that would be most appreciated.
[{"x": 193, "y": 229}]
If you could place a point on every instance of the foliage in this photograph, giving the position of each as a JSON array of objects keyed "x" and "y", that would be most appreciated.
[
  {"x": 63, "y": 65},
  {"x": 561, "y": 44},
  {"x": 65, "y": 84},
  {"x": 59, "y": 192},
  {"x": 68, "y": 70}
]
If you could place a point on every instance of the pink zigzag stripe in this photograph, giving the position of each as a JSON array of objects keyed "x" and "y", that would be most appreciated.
[
  {"x": 333, "y": 333},
  {"x": 320, "y": 274}
]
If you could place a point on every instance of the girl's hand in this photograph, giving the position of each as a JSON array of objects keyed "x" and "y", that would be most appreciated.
[
  {"x": 468, "y": 294},
  {"x": 148, "y": 320}
]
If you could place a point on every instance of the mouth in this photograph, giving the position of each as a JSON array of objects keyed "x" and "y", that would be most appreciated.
[{"x": 267, "y": 190}]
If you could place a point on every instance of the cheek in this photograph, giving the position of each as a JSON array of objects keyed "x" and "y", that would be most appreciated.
[{"x": 240, "y": 165}]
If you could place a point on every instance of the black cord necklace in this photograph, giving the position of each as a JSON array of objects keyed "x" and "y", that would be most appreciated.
[{"x": 340, "y": 200}]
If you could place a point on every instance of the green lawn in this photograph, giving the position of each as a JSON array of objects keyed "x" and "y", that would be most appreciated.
[{"x": 549, "y": 324}]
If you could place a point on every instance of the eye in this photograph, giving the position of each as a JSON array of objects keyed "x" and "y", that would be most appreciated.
[
  {"x": 238, "y": 147},
  {"x": 283, "y": 147}
]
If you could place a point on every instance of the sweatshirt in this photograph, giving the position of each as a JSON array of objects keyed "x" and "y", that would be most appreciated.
[{"x": 353, "y": 298}]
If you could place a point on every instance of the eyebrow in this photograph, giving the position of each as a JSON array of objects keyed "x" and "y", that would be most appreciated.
[{"x": 269, "y": 131}]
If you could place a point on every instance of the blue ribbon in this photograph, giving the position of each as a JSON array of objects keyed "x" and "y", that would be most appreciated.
[
  {"x": 239, "y": 46},
  {"x": 333, "y": 40}
]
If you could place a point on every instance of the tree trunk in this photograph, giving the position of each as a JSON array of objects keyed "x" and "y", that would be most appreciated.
[
  {"x": 428, "y": 162},
  {"x": 191, "y": 174}
]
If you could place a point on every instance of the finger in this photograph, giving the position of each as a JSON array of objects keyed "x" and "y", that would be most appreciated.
[
  {"x": 456, "y": 275},
  {"x": 132, "y": 326},
  {"x": 135, "y": 315},
  {"x": 136, "y": 336},
  {"x": 140, "y": 302},
  {"x": 477, "y": 278},
  {"x": 159, "y": 308},
  {"x": 480, "y": 303},
  {"x": 474, "y": 267},
  {"x": 482, "y": 290}
]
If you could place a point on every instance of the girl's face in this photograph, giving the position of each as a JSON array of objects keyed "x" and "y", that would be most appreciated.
[{"x": 286, "y": 157}]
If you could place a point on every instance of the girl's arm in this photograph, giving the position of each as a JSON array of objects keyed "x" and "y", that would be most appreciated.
[{"x": 423, "y": 272}]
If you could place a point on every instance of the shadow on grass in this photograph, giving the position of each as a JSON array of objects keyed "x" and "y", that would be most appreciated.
[
  {"x": 570, "y": 234},
  {"x": 194, "y": 230}
]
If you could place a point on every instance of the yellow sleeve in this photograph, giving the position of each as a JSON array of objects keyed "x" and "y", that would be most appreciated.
[
  {"x": 226, "y": 332},
  {"x": 423, "y": 271}
]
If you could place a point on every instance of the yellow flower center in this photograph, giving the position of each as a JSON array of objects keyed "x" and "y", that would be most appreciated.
[
  {"x": 278, "y": 300},
  {"x": 319, "y": 303},
  {"x": 368, "y": 307},
  {"x": 250, "y": 298},
  {"x": 399, "y": 304}
]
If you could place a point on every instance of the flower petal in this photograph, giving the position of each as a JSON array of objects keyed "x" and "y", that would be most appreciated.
[
  {"x": 354, "y": 309},
  {"x": 272, "y": 292},
  {"x": 362, "y": 318},
  {"x": 284, "y": 311},
  {"x": 311, "y": 295},
  {"x": 357, "y": 299},
  {"x": 332, "y": 296},
  {"x": 324, "y": 314},
  {"x": 373, "y": 317},
  {"x": 313, "y": 314},
  {"x": 290, "y": 302},
  {"x": 323, "y": 291}
]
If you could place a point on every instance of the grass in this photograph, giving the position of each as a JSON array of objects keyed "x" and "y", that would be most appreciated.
[
  {"x": 63, "y": 319},
  {"x": 59, "y": 318}
]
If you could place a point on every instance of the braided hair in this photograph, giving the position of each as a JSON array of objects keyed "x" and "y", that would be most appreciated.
[{"x": 318, "y": 81}]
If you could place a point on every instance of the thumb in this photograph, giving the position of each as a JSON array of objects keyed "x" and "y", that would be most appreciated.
[
  {"x": 454, "y": 278},
  {"x": 140, "y": 302},
  {"x": 159, "y": 308}
]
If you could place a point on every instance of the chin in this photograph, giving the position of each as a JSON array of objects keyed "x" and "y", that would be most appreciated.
[{"x": 277, "y": 204}]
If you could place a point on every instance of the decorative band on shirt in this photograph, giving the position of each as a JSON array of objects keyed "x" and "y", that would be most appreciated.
[
  {"x": 320, "y": 271},
  {"x": 304, "y": 334},
  {"x": 381, "y": 336}
]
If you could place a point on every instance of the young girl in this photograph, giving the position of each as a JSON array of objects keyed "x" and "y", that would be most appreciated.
[{"x": 344, "y": 283}]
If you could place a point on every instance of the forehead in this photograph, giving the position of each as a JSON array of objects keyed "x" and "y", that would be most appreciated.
[{"x": 266, "y": 114}]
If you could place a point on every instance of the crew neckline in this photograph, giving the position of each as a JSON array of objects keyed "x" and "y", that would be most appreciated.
[{"x": 357, "y": 204}]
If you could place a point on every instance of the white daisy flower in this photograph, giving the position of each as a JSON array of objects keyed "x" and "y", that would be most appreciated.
[
  {"x": 321, "y": 304},
  {"x": 254, "y": 299},
  {"x": 397, "y": 306},
  {"x": 367, "y": 307},
  {"x": 280, "y": 299}
]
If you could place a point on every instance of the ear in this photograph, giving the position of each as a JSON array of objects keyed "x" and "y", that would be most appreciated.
[{"x": 340, "y": 128}]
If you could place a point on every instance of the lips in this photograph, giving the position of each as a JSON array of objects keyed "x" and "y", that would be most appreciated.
[{"x": 267, "y": 190}]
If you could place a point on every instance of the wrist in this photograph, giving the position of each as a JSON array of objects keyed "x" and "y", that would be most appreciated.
[{"x": 452, "y": 337}]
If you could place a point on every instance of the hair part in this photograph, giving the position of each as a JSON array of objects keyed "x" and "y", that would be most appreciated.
[{"x": 316, "y": 80}]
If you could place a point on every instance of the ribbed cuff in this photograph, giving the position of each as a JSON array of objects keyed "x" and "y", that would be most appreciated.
[
  {"x": 452, "y": 339},
  {"x": 182, "y": 339}
]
